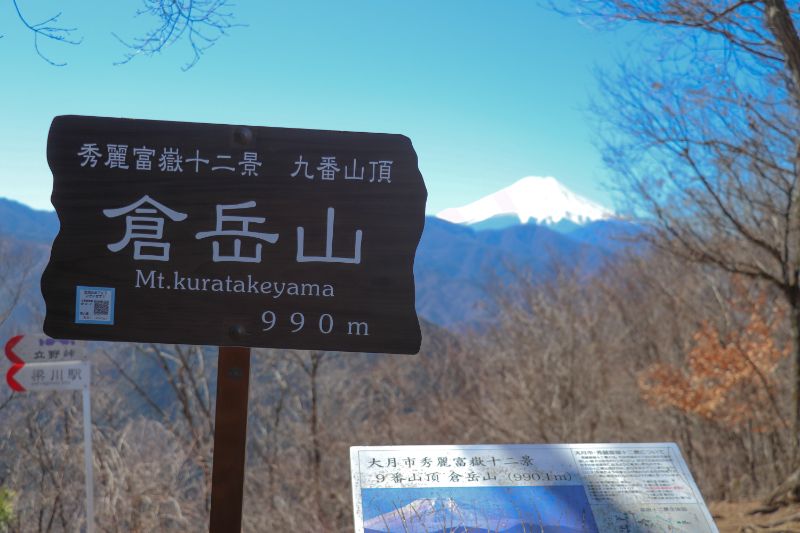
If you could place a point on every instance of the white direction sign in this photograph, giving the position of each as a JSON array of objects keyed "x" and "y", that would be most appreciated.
[
  {"x": 40, "y": 363},
  {"x": 39, "y": 348},
  {"x": 70, "y": 375}
]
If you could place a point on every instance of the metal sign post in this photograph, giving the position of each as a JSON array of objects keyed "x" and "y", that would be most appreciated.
[
  {"x": 87, "y": 458},
  {"x": 230, "y": 439}
]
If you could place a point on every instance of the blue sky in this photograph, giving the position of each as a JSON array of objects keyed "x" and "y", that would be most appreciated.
[{"x": 488, "y": 91}]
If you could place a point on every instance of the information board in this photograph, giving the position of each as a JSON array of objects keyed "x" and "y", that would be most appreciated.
[
  {"x": 233, "y": 235},
  {"x": 606, "y": 488}
]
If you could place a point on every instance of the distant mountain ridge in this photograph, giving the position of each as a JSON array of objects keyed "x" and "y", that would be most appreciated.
[
  {"x": 21, "y": 222},
  {"x": 456, "y": 266},
  {"x": 534, "y": 199}
]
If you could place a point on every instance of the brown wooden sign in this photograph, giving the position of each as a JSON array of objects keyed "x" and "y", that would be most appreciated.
[{"x": 228, "y": 235}]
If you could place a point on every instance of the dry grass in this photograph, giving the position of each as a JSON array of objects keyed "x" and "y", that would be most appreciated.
[{"x": 738, "y": 517}]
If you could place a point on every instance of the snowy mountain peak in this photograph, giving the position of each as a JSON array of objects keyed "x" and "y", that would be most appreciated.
[
  {"x": 417, "y": 515},
  {"x": 542, "y": 200}
]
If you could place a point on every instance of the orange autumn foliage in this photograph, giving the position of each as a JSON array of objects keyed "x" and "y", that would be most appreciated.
[{"x": 728, "y": 379}]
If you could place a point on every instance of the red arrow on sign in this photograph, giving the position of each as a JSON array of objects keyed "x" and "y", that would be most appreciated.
[
  {"x": 15, "y": 386},
  {"x": 16, "y": 367},
  {"x": 13, "y": 341}
]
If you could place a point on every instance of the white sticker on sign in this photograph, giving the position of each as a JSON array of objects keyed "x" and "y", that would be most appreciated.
[{"x": 94, "y": 305}]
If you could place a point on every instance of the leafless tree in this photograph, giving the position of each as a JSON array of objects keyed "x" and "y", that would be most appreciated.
[
  {"x": 199, "y": 23},
  {"x": 704, "y": 138},
  {"x": 560, "y": 364},
  {"x": 16, "y": 261},
  {"x": 48, "y": 29}
]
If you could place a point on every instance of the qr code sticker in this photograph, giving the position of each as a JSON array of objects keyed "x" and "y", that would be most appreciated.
[{"x": 94, "y": 305}]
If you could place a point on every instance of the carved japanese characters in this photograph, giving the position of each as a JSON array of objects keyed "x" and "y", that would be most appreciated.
[{"x": 227, "y": 235}]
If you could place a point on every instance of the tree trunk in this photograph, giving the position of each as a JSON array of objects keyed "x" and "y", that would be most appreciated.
[
  {"x": 779, "y": 21},
  {"x": 791, "y": 483},
  {"x": 794, "y": 441}
]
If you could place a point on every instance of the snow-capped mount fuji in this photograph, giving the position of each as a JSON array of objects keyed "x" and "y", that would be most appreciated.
[
  {"x": 534, "y": 199},
  {"x": 439, "y": 515}
]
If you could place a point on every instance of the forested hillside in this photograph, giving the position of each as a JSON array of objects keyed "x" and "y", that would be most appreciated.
[{"x": 596, "y": 346}]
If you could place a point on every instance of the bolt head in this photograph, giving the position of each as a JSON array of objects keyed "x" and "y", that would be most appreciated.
[{"x": 243, "y": 135}]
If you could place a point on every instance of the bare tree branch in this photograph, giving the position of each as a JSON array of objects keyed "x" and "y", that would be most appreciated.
[
  {"x": 201, "y": 22},
  {"x": 47, "y": 29}
]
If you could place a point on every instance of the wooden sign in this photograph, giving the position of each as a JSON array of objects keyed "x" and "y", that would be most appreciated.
[{"x": 233, "y": 236}]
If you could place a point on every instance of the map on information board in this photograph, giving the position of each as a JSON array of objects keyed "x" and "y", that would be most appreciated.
[{"x": 604, "y": 488}]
